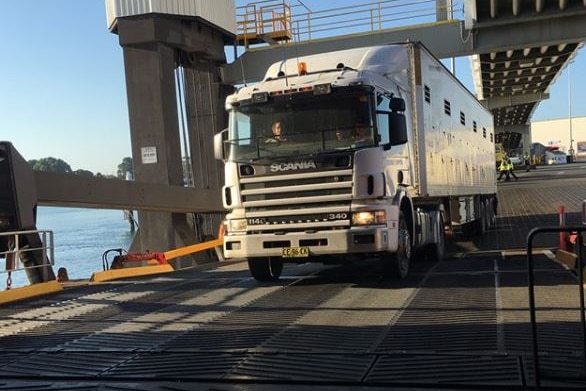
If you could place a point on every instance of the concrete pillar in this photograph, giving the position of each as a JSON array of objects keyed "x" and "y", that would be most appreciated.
[
  {"x": 205, "y": 98},
  {"x": 153, "y": 46}
]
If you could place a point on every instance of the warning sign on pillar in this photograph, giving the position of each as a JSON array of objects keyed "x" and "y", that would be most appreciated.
[{"x": 149, "y": 155}]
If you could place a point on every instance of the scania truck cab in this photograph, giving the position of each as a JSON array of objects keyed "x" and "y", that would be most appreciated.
[{"x": 342, "y": 180}]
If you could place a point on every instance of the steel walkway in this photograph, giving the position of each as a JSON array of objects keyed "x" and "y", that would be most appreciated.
[{"x": 459, "y": 324}]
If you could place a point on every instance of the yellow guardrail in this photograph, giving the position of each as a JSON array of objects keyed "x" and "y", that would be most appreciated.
[
  {"x": 116, "y": 274},
  {"x": 179, "y": 252},
  {"x": 27, "y": 292}
]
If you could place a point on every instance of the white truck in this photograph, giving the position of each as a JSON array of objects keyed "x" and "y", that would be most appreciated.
[{"x": 381, "y": 150}]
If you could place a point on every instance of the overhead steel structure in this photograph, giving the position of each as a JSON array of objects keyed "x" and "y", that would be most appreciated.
[
  {"x": 513, "y": 80},
  {"x": 519, "y": 47}
]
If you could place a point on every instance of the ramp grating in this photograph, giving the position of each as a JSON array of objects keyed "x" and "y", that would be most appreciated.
[
  {"x": 306, "y": 338},
  {"x": 567, "y": 369},
  {"x": 62, "y": 364},
  {"x": 77, "y": 386},
  {"x": 251, "y": 326},
  {"x": 446, "y": 369},
  {"x": 161, "y": 365},
  {"x": 304, "y": 368},
  {"x": 466, "y": 265},
  {"x": 450, "y": 313}
]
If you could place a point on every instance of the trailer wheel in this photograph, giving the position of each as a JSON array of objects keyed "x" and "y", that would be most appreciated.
[
  {"x": 397, "y": 265},
  {"x": 266, "y": 268}
]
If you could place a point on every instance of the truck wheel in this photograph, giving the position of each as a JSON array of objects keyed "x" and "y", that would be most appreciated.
[
  {"x": 397, "y": 264},
  {"x": 265, "y": 269}
]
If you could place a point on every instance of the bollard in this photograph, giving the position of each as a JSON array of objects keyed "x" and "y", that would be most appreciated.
[{"x": 563, "y": 244}]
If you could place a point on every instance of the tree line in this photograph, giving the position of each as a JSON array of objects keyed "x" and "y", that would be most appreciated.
[{"x": 59, "y": 166}]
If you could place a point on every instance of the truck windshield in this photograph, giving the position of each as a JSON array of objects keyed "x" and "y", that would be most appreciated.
[{"x": 302, "y": 124}]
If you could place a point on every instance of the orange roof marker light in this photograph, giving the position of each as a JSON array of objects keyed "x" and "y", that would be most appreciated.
[{"x": 302, "y": 68}]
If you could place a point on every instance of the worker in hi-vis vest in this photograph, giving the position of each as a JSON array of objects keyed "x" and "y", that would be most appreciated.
[
  {"x": 511, "y": 170},
  {"x": 504, "y": 170},
  {"x": 527, "y": 159}
]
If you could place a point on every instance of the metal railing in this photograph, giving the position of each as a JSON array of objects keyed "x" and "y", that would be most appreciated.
[
  {"x": 266, "y": 20},
  {"x": 17, "y": 250},
  {"x": 281, "y": 21},
  {"x": 532, "y": 306}
]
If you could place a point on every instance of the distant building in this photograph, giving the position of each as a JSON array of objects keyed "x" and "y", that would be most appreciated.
[{"x": 556, "y": 133}]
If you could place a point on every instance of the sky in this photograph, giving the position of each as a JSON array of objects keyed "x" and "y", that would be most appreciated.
[{"x": 62, "y": 86}]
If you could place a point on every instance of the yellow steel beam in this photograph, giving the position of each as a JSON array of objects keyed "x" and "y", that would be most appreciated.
[
  {"x": 27, "y": 292},
  {"x": 181, "y": 251},
  {"x": 114, "y": 274},
  {"x": 152, "y": 267}
]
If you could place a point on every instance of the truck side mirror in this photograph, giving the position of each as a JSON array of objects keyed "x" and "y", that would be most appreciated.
[
  {"x": 397, "y": 128},
  {"x": 219, "y": 142},
  {"x": 397, "y": 122},
  {"x": 397, "y": 104}
]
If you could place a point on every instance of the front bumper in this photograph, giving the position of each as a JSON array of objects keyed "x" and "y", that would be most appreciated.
[{"x": 335, "y": 242}]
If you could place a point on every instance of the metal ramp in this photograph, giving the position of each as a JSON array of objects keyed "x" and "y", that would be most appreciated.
[{"x": 456, "y": 324}]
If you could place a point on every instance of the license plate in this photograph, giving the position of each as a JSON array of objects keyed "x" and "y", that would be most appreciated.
[{"x": 295, "y": 252}]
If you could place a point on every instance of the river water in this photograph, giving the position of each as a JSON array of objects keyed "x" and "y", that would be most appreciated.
[{"x": 81, "y": 237}]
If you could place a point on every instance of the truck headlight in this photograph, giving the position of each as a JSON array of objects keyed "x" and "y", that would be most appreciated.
[
  {"x": 369, "y": 217},
  {"x": 237, "y": 225}
]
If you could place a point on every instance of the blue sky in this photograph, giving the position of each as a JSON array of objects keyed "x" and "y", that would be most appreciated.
[{"x": 62, "y": 87}]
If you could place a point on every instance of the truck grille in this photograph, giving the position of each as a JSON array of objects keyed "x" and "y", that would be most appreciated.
[{"x": 298, "y": 202}]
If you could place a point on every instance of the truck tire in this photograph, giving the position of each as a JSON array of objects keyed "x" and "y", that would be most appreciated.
[
  {"x": 396, "y": 265},
  {"x": 266, "y": 268}
]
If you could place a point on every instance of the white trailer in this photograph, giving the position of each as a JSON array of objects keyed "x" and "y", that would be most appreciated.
[{"x": 422, "y": 161}]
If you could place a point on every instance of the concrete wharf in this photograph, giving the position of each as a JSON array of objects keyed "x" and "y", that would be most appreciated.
[{"x": 461, "y": 324}]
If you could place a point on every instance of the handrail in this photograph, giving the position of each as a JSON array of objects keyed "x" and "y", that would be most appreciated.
[
  {"x": 531, "y": 285},
  {"x": 13, "y": 256},
  {"x": 253, "y": 22}
]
